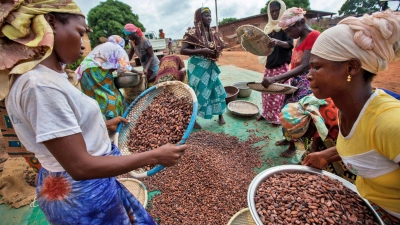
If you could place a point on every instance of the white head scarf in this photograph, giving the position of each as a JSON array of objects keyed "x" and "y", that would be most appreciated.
[
  {"x": 272, "y": 25},
  {"x": 373, "y": 39}
]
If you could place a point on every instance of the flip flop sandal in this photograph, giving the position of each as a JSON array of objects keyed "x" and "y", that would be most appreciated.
[{"x": 3, "y": 160}]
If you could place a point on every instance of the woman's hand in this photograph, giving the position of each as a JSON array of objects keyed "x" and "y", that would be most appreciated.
[
  {"x": 145, "y": 71},
  {"x": 169, "y": 154},
  {"x": 112, "y": 124},
  {"x": 272, "y": 43},
  {"x": 207, "y": 51},
  {"x": 267, "y": 81},
  {"x": 316, "y": 160}
]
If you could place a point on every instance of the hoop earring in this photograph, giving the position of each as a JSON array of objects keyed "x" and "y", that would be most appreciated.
[{"x": 348, "y": 78}]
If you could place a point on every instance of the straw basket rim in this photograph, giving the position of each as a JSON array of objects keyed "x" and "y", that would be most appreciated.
[
  {"x": 139, "y": 105},
  {"x": 254, "y": 40},
  {"x": 242, "y": 212},
  {"x": 141, "y": 195},
  {"x": 274, "y": 88},
  {"x": 233, "y": 107}
]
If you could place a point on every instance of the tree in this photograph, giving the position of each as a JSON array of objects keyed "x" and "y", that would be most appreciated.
[
  {"x": 226, "y": 20},
  {"x": 304, "y": 4},
  {"x": 108, "y": 18},
  {"x": 358, "y": 7}
]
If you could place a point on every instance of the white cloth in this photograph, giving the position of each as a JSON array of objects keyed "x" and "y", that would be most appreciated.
[
  {"x": 44, "y": 105},
  {"x": 373, "y": 39}
]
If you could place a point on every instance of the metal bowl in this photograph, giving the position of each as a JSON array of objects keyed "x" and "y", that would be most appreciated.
[
  {"x": 127, "y": 80},
  {"x": 244, "y": 91},
  {"x": 295, "y": 169}
]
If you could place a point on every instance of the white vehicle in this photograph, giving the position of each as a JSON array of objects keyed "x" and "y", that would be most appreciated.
[{"x": 159, "y": 46}]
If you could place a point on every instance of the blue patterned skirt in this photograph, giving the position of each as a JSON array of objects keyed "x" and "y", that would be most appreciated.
[
  {"x": 203, "y": 78},
  {"x": 97, "y": 201}
]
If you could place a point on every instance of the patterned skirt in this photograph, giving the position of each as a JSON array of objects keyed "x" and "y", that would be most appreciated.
[
  {"x": 203, "y": 78},
  {"x": 98, "y": 201},
  {"x": 272, "y": 103},
  {"x": 303, "y": 90},
  {"x": 385, "y": 216}
]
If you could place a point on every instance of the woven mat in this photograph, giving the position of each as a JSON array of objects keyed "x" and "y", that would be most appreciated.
[
  {"x": 254, "y": 40},
  {"x": 273, "y": 88},
  {"x": 243, "y": 108}
]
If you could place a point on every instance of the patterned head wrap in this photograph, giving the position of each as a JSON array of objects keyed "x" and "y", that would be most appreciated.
[
  {"x": 373, "y": 39},
  {"x": 130, "y": 29},
  {"x": 196, "y": 35},
  {"x": 296, "y": 117},
  {"x": 205, "y": 9},
  {"x": 26, "y": 38},
  {"x": 273, "y": 25},
  {"x": 290, "y": 17},
  {"x": 117, "y": 40}
]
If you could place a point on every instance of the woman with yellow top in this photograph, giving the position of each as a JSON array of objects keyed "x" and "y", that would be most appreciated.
[{"x": 344, "y": 59}]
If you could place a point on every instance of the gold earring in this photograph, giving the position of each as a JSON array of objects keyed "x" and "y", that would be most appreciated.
[{"x": 348, "y": 78}]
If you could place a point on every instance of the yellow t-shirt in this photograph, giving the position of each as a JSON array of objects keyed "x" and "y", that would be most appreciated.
[{"x": 372, "y": 151}]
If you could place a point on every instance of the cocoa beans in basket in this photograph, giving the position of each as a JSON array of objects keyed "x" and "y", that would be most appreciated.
[
  {"x": 163, "y": 121},
  {"x": 303, "y": 198}
]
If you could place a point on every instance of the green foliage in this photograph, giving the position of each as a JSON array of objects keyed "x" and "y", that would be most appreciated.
[
  {"x": 227, "y": 20},
  {"x": 318, "y": 28},
  {"x": 358, "y": 7},
  {"x": 304, "y": 4},
  {"x": 108, "y": 18},
  {"x": 75, "y": 65}
]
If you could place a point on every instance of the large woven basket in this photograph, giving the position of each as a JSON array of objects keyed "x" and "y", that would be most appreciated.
[
  {"x": 243, "y": 217},
  {"x": 274, "y": 88},
  {"x": 136, "y": 188},
  {"x": 133, "y": 112},
  {"x": 243, "y": 108},
  {"x": 254, "y": 40}
]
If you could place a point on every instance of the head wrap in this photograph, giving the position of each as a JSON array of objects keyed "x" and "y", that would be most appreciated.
[
  {"x": 373, "y": 39},
  {"x": 296, "y": 117},
  {"x": 272, "y": 25},
  {"x": 290, "y": 17},
  {"x": 196, "y": 35},
  {"x": 205, "y": 9},
  {"x": 107, "y": 56},
  {"x": 130, "y": 29},
  {"x": 117, "y": 40},
  {"x": 26, "y": 38}
]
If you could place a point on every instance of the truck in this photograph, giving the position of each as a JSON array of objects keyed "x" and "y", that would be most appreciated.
[{"x": 159, "y": 46}]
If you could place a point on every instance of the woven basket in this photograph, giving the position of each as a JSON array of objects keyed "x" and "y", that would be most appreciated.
[
  {"x": 243, "y": 217},
  {"x": 243, "y": 108},
  {"x": 274, "y": 88},
  {"x": 133, "y": 112},
  {"x": 136, "y": 188},
  {"x": 254, "y": 40}
]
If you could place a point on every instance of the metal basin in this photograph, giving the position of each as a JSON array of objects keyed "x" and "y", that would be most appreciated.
[
  {"x": 244, "y": 91},
  {"x": 251, "y": 193},
  {"x": 127, "y": 80}
]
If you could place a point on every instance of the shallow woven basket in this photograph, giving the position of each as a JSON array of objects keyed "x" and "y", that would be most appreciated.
[
  {"x": 274, "y": 88},
  {"x": 136, "y": 188},
  {"x": 254, "y": 40},
  {"x": 133, "y": 112},
  {"x": 243, "y": 108},
  {"x": 243, "y": 217}
]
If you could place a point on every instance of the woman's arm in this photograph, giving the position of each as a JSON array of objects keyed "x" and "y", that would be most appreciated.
[
  {"x": 150, "y": 53},
  {"x": 131, "y": 52},
  {"x": 321, "y": 159},
  {"x": 71, "y": 153},
  {"x": 187, "y": 50},
  {"x": 300, "y": 69}
]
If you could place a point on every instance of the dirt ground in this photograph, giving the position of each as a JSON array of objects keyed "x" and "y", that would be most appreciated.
[{"x": 389, "y": 79}]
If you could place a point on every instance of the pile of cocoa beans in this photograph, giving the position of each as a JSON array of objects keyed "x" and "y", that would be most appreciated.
[
  {"x": 303, "y": 198},
  {"x": 209, "y": 185},
  {"x": 163, "y": 121}
]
